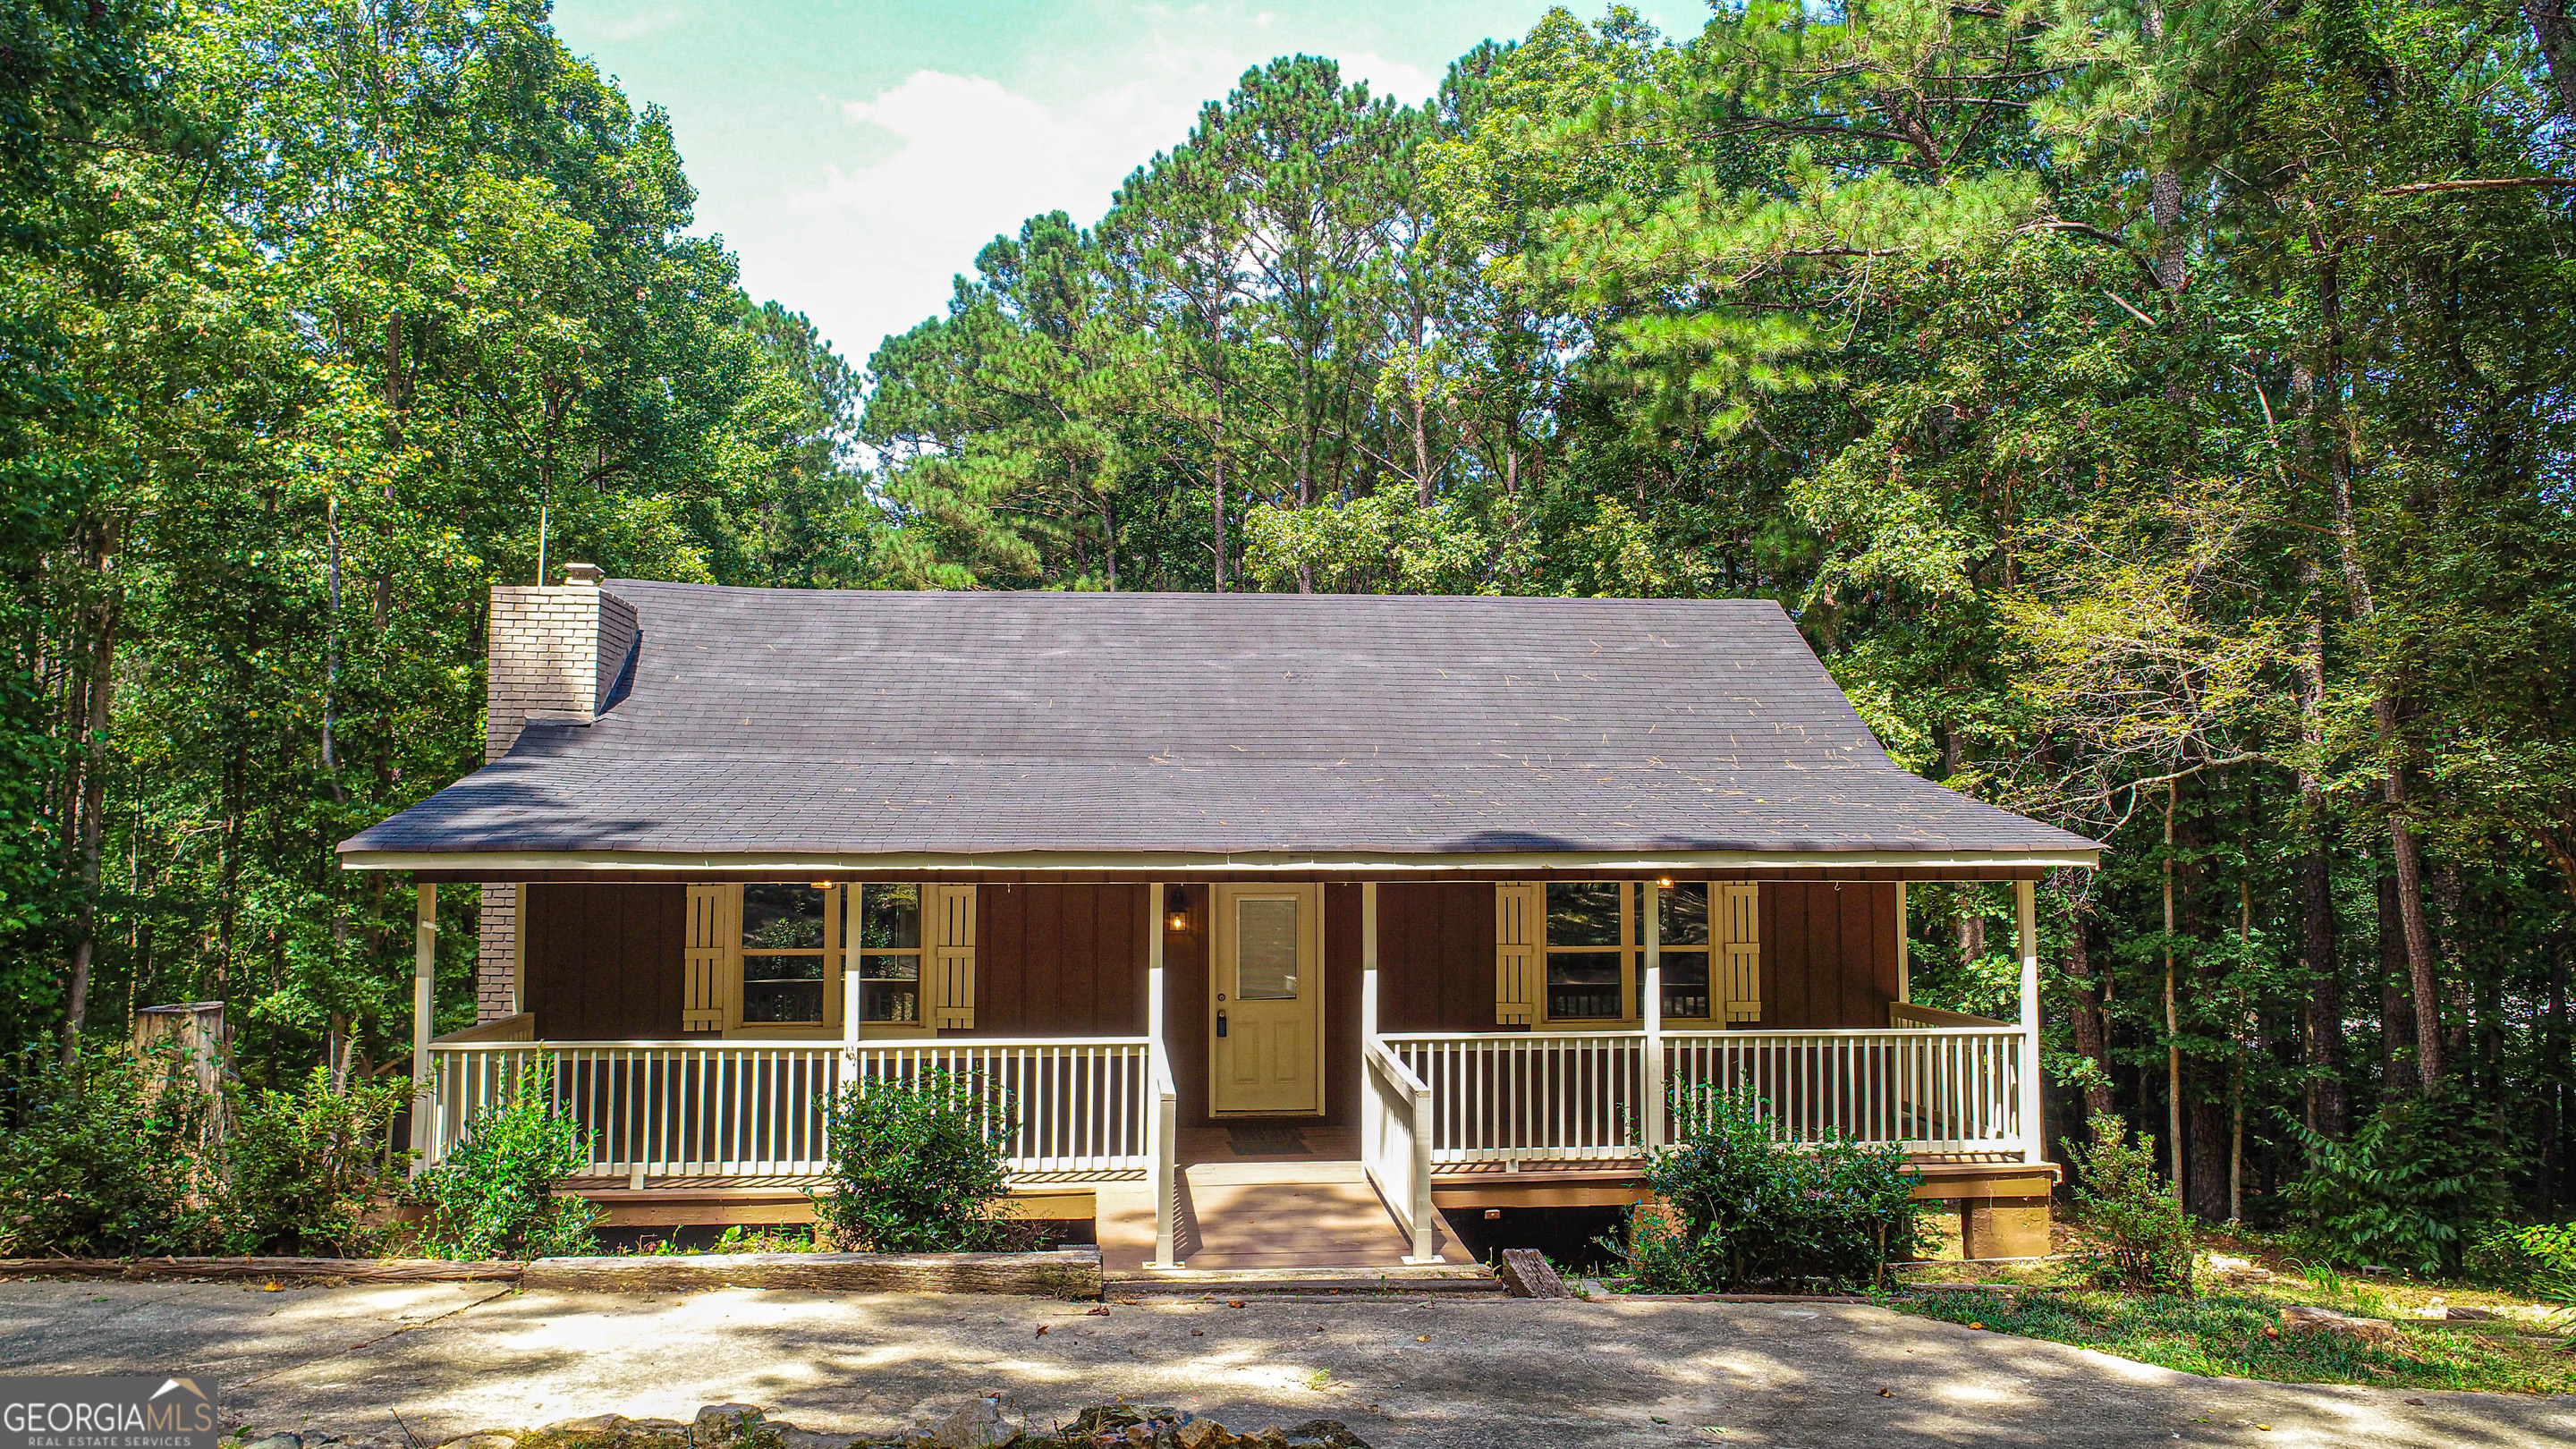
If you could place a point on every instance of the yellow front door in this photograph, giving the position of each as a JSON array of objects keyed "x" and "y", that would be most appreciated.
[{"x": 1266, "y": 1006}]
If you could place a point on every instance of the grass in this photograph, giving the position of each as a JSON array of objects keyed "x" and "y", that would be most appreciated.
[
  {"x": 2223, "y": 1330},
  {"x": 2223, "y": 1333}
]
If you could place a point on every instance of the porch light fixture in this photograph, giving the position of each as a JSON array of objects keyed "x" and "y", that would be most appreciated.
[
  {"x": 1664, "y": 882},
  {"x": 1176, "y": 909},
  {"x": 822, "y": 885}
]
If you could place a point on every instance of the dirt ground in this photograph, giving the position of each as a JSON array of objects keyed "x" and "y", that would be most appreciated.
[{"x": 1401, "y": 1371}]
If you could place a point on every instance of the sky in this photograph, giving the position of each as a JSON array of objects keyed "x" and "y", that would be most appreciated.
[{"x": 856, "y": 154}]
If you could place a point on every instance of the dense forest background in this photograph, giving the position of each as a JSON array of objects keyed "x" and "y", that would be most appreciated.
[{"x": 2159, "y": 418}]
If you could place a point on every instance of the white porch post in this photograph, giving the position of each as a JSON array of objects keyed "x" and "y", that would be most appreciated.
[
  {"x": 1154, "y": 891},
  {"x": 1368, "y": 961},
  {"x": 424, "y": 1008},
  {"x": 1651, "y": 1073},
  {"x": 2026, "y": 908},
  {"x": 1161, "y": 1130}
]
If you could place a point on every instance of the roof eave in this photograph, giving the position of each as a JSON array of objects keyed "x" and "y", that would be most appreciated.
[{"x": 1151, "y": 865}]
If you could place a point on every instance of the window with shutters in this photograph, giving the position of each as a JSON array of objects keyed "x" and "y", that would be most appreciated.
[{"x": 1595, "y": 952}]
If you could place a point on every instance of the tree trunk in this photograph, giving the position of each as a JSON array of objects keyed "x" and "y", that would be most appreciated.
[
  {"x": 92, "y": 796},
  {"x": 2396, "y": 1003},
  {"x": 2409, "y": 903},
  {"x": 2556, "y": 38},
  {"x": 1216, "y": 459},
  {"x": 2092, "y": 1031},
  {"x": 2553, "y": 1144},
  {"x": 2327, "y": 1112},
  {"x": 2173, "y": 1022},
  {"x": 2418, "y": 933}
]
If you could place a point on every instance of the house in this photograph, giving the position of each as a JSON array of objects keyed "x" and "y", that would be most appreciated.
[{"x": 1275, "y": 915}]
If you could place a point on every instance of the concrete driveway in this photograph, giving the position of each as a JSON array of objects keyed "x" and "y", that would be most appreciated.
[{"x": 1400, "y": 1371}]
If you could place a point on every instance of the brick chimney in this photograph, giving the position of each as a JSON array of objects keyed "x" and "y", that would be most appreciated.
[{"x": 555, "y": 653}]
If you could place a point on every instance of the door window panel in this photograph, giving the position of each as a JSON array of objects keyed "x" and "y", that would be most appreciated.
[{"x": 1265, "y": 948}]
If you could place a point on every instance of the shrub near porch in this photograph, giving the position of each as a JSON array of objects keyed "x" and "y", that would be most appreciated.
[{"x": 1738, "y": 1210}]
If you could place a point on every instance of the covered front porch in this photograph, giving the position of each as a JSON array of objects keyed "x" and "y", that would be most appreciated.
[{"x": 1133, "y": 1132}]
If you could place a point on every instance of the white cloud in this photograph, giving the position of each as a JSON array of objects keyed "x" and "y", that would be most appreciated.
[{"x": 946, "y": 162}]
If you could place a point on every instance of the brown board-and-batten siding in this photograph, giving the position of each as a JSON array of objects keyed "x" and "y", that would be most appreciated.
[
  {"x": 1828, "y": 955},
  {"x": 1435, "y": 957},
  {"x": 604, "y": 962},
  {"x": 1060, "y": 960}
]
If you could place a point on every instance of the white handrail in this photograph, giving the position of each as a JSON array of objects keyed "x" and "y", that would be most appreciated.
[
  {"x": 755, "y": 1108},
  {"x": 1395, "y": 1145},
  {"x": 1163, "y": 1103}
]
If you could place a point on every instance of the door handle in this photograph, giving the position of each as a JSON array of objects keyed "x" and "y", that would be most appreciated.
[{"x": 1220, "y": 1023}]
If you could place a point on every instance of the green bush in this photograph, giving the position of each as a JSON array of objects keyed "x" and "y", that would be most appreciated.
[
  {"x": 494, "y": 1195},
  {"x": 2131, "y": 1232},
  {"x": 306, "y": 1167},
  {"x": 2539, "y": 1260},
  {"x": 1738, "y": 1209},
  {"x": 97, "y": 1161},
  {"x": 917, "y": 1166},
  {"x": 2411, "y": 1189}
]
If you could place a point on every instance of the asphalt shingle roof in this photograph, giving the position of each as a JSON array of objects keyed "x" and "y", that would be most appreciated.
[{"x": 811, "y": 722}]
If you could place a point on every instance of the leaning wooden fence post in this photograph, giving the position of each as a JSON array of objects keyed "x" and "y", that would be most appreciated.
[{"x": 424, "y": 1005}]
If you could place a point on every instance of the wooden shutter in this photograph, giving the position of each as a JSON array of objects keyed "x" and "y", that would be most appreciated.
[
  {"x": 1520, "y": 952},
  {"x": 948, "y": 956},
  {"x": 1739, "y": 964},
  {"x": 712, "y": 949}
]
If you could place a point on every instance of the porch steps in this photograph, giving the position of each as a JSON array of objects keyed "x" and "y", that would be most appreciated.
[
  {"x": 1462, "y": 1279},
  {"x": 1253, "y": 1220}
]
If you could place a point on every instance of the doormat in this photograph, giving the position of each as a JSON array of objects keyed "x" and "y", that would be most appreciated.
[{"x": 1264, "y": 1139}]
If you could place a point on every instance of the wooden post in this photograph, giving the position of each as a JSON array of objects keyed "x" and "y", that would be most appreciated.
[
  {"x": 1650, "y": 1074},
  {"x": 2026, "y": 909},
  {"x": 1161, "y": 1132},
  {"x": 424, "y": 1011},
  {"x": 1368, "y": 960},
  {"x": 1904, "y": 951},
  {"x": 1154, "y": 892}
]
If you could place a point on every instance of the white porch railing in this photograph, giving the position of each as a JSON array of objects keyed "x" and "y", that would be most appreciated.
[
  {"x": 1515, "y": 1097},
  {"x": 734, "y": 1108},
  {"x": 1395, "y": 1143},
  {"x": 1518, "y": 1096},
  {"x": 1944, "y": 1090}
]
